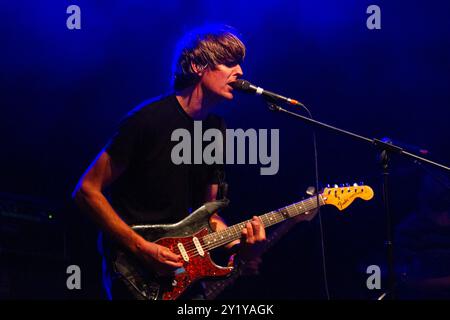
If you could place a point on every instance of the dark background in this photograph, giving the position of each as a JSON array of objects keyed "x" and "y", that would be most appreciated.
[{"x": 64, "y": 91}]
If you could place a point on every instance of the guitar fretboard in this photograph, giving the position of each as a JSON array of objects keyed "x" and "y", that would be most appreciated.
[{"x": 222, "y": 237}]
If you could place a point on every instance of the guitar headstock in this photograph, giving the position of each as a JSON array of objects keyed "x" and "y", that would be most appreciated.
[{"x": 342, "y": 196}]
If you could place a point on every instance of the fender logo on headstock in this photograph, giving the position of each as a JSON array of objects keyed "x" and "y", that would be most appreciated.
[{"x": 342, "y": 197}]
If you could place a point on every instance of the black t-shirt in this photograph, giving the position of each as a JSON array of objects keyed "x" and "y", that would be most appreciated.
[{"x": 153, "y": 189}]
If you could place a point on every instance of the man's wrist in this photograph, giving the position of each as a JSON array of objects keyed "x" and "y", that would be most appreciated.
[{"x": 136, "y": 243}]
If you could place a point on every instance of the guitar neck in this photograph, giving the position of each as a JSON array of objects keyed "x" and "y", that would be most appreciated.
[{"x": 222, "y": 237}]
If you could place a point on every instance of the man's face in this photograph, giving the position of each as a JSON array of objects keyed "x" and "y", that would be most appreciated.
[{"x": 217, "y": 81}]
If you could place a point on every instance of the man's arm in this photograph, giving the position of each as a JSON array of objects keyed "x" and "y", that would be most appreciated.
[{"x": 90, "y": 198}]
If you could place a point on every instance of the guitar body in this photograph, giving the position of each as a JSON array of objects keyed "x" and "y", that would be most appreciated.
[
  {"x": 193, "y": 238},
  {"x": 196, "y": 266}
]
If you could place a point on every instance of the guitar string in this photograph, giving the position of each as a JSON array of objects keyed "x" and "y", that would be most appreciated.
[
  {"x": 230, "y": 234},
  {"x": 235, "y": 233},
  {"x": 215, "y": 244},
  {"x": 308, "y": 205}
]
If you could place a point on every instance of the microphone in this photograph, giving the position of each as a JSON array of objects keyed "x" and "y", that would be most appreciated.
[{"x": 247, "y": 87}]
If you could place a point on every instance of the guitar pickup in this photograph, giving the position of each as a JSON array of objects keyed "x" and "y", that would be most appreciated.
[
  {"x": 198, "y": 246},
  {"x": 183, "y": 252}
]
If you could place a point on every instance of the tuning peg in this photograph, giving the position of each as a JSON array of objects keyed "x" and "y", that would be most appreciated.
[
  {"x": 361, "y": 183},
  {"x": 311, "y": 191},
  {"x": 347, "y": 184},
  {"x": 328, "y": 185},
  {"x": 355, "y": 184},
  {"x": 336, "y": 186}
]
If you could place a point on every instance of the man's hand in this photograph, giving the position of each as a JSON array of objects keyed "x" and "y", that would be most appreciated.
[
  {"x": 252, "y": 241},
  {"x": 161, "y": 259}
]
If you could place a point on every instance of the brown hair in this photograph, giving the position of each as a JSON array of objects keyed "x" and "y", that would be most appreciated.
[{"x": 205, "y": 47}]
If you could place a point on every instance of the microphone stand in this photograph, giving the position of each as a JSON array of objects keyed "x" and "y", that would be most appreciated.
[{"x": 386, "y": 150}]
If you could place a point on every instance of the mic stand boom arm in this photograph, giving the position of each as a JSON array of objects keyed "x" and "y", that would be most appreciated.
[
  {"x": 386, "y": 149},
  {"x": 389, "y": 147}
]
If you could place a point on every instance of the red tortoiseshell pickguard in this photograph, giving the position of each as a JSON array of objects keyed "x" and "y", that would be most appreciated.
[{"x": 196, "y": 268}]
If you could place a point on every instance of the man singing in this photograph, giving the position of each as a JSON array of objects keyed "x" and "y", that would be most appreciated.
[{"x": 146, "y": 187}]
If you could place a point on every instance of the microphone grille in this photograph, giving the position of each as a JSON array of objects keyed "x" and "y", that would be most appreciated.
[{"x": 241, "y": 84}]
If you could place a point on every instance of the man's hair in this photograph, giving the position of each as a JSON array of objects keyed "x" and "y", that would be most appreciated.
[{"x": 205, "y": 47}]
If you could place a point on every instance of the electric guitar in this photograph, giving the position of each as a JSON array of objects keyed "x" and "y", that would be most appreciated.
[{"x": 193, "y": 239}]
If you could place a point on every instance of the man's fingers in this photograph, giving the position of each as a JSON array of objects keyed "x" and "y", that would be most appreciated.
[
  {"x": 256, "y": 226},
  {"x": 250, "y": 234},
  {"x": 170, "y": 256},
  {"x": 259, "y": 231},
  {"x": 174, "y": 264}
]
